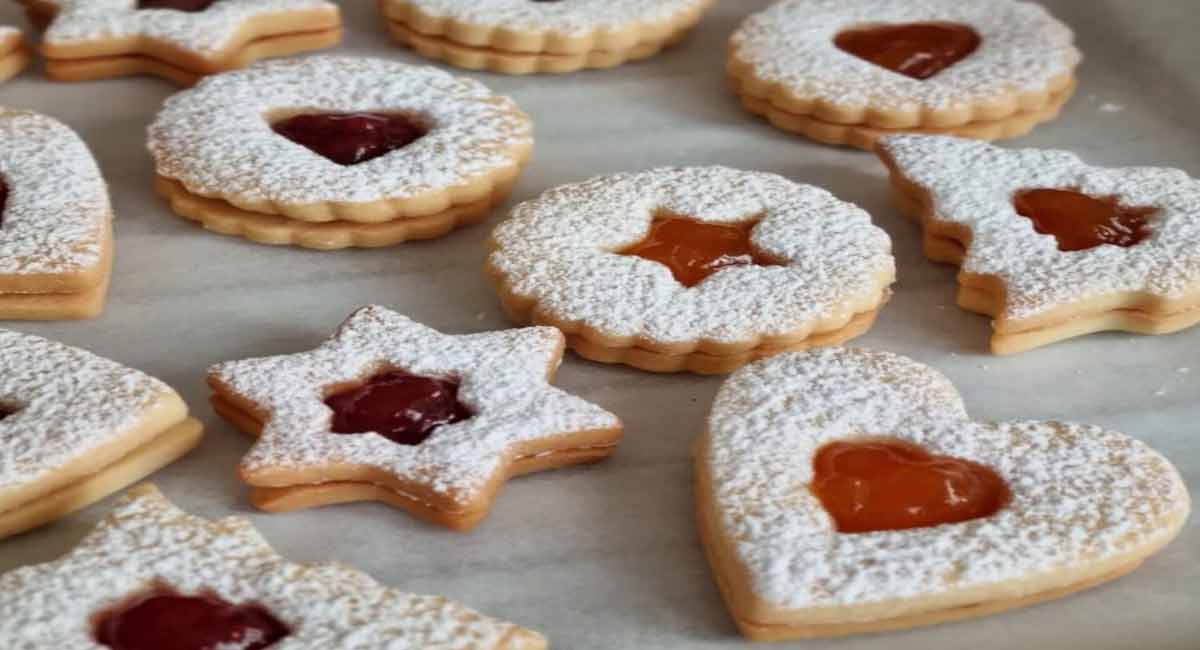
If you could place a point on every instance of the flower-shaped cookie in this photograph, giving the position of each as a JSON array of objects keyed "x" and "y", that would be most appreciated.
[
  {"x": 522, "y": 37},
  {"x": 154, "y": 569},
  {"x": 13, "y": 54},
  {"x": 1084, "y": 505},
  {"x": 802, "y": 267},
  {"x": 75, "y": 427},
  {"x": 480, "y": 406},
  {"x": 1120, "y": 252},
  {"x": 848, "y": 71},
  {"x": 180, "y": 40},
  {"x": 55, "y": 222}
]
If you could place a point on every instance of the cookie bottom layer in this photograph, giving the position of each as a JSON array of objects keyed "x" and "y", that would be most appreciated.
[
  {"x": 224, "y": 218},
  {"x": 864, "y": 137},
  {"x": 106, "y": 67},
  {"x": 520, "y": 63},
  {"x": 162, "y": 450},
  {"x": 12, "y": 63},
  {"x": 79, "y": 305}
]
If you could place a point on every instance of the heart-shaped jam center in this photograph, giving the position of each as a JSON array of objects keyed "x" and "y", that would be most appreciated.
[
  {"x": 190, "y": 6},
  {"x": 873, "y": 485},
  {"x": 400, "y": 406},
  {"x": 350, "y": 138},
  {"x": 693, "y": 250},
  {"x": 917, "y": 50},
  {"x": 1080, "y": 222},
  {"x": 164, "y": 620}
]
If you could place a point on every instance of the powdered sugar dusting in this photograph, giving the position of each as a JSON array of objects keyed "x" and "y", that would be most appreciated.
[
  {"x": 205, "y": 32},
  {"x": 1080, "y": 494},
  {"x": 216, "y": 138},
  {"x": 559, "y": 250},
  {"x": 147, "y": 540},
  {"x": 972, "y": 184},
  {"x": 791, "y": 43},
  {"x": 67, "y": 402},
  {"x": 503, "y": 383},
  {"x": 574, "y": 17},
  {"x": 58, "y": 206}
]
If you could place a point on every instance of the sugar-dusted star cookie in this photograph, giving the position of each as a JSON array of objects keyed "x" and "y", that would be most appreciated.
[
  {"x": 14, "y": 56},
  {"x": 75, "y": 427},
  {"x": 390, "y": 410},
  {"x": 55, "y": 222},
  {"x": 844, "y": 491},
  {"x": 151, "y": 576},
  {"x": 180, "y": 40},
  {"x": 1049, "y": 246}
]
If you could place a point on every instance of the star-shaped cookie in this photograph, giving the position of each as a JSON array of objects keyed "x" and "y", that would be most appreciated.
[
  {"x": 148, "y": 549},
  {"x": 178, "y": 40},
  {"x": 1049, "y": 246},
  {"x": 515, "y": 421}
]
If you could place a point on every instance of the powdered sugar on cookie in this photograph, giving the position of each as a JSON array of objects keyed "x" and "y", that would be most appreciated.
[
  {"x": 205, "y": 33},
  {"x": 560, "y": 251},
  {"x": 1081, "y": 495},
  {"x": 503, "y": 382},
  {"x": 217, "y": 139},
  {"x": 58, "y": 205},
  {"x": 973, "y": 184},
  {"x": 791, "y": 45},
  {"x": 571, "y": 18},
  {"x": 147, "y": 541}
]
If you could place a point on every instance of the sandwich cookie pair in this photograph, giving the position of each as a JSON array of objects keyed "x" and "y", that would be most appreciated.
[
  {"x": 14, "y": 56},
  {"x": 540, "y": 36},
  {"x": 389, "y": 410},
  {"x": 74, "y": 428},
  {"x": 847, "y": 491},
  {"x": 336, "y": 152},
  {"x": 849, "y": 71},
  {"x": 179, "y": 40}
]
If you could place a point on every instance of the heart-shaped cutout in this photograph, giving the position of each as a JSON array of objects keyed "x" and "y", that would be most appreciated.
[
  {"x": 694, "y": 250},
  {"x": 1086, "y": 504},
  {"x": 351, "y": 138},
  {"x": 917, "y": 50},
  {"x": 166, "y": 620},
  {"x": 190, "y": 6},
  {"x": 1080, "y": 222}
]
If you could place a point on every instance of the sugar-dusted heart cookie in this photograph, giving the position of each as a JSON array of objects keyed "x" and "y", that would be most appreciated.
[
  {"x": 179, "y": 40},
  {"x": 55, "y": 222},
  {"x": 819, "y": 502},
  {"x": 75, "y": 427},
  {"x": 14, "y": 56},
  {"x": 390, "y": 410},
  {"x": 850, "y": 71},
  {"x": 1049, "y": 246},
  {"x": 150, "y": 577}
]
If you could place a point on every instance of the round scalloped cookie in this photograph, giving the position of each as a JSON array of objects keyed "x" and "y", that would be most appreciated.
[
  {"x": 217, "y": 141},
  {"x": 786, "y": 55},
  {"x": 556, "y": 262}
]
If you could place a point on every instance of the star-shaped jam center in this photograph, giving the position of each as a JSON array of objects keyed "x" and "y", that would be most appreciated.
[
  {"x": 916, "y": 50},
  {"x": 163, "y": 619},
  {"x": 1080, "y": 222},
  {"x": 190, "y": 6},
  {"x": 400, "y": 406},
  {"x": 694, "y": 250}
]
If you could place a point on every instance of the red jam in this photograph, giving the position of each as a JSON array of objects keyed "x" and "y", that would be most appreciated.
[
  {"x": 694, "y": 250},
  {"x": 399, "y": 406},
  {"x": 350, "y": 138},
  {"x": 165, "y": 620},
  {"x": 917, "y": 50},
  {"x": 874, "y": 485},
  {"x": 3, "y": 200},
  {"x": 190, "y": 6},
  {"x": 1080, "y": 222}
]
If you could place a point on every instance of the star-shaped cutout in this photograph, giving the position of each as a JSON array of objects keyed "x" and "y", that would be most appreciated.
[
  {"x": 518, "y": 422},
  {"x": 1038, "y": 284},
  {"x": 147, "y": 546}
]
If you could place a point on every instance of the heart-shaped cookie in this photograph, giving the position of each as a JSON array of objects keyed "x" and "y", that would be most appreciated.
[
  {"x": 916, "y": 50},
  {"x": 1085, "y": 505}
]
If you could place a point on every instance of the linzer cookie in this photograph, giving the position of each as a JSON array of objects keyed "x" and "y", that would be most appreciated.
[
  {"x": 333, "y": 152},
  {"x": 700, "y": 269},
  {"x": 849, "y": 71},
  {"x": 75, "y": 427},
  {"x": 14, "y": 56},
  {"x": 540, "y": 36},
  {"x": 846, "y": 491},
  {"x": 392, "y": 411},
  {"x": 179, "y": 40},
  {"x": 1049, "y": 246},
  {"x": 152, "y": 577},
  {"x": 55, "y": 222}
]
